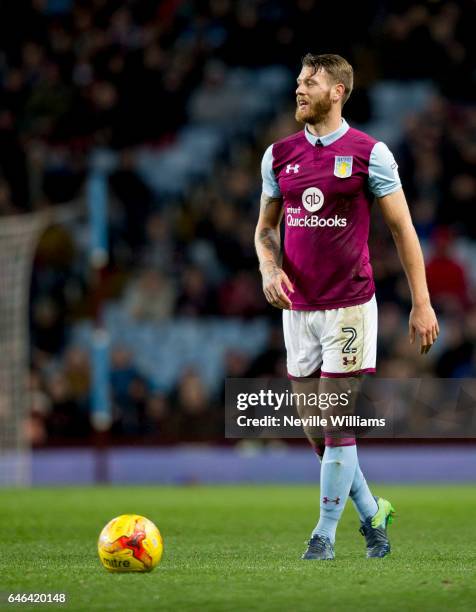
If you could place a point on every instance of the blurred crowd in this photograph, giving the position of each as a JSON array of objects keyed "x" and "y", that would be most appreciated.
[{"x": 79, "y": 75}]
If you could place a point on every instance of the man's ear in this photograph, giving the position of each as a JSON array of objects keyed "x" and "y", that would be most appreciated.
[{"x": 338, "y": 92}]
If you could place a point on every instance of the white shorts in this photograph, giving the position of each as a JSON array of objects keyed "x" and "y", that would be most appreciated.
[{"x": 339, "y": 342}]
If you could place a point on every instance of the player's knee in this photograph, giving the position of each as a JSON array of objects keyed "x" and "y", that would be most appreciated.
[{"x": 318, "y": 446}]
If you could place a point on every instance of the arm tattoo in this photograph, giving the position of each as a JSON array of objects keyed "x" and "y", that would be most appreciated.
[
  {"x": 268, "y": 239},
  {"x": 267, "y": 201}
]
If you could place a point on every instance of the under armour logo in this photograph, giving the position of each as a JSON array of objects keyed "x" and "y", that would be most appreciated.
[
  {"x": 348, "y": 361},
  {"x": 327, "y": 500},
  {"x": 294, "y": 168}
]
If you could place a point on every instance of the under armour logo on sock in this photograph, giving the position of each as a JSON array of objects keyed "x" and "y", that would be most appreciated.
[{"x": 327, "y": 500}]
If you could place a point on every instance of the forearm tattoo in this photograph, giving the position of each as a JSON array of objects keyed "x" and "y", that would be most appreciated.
[{"x": 269, "y": 237}]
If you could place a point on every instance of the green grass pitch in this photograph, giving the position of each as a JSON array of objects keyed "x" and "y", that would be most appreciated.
[{"x": 233, "y": 548}]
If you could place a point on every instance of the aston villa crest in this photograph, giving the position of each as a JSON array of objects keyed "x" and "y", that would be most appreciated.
[{"x": 343, "y": 166}]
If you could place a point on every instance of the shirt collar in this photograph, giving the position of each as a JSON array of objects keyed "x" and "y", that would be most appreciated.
[{"x": 328, "y": 139}]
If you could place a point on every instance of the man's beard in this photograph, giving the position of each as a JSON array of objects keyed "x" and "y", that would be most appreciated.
[{"x": 316, "y": 112}]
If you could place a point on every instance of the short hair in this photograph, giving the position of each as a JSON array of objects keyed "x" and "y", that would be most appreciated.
[{"x": 338, "y": 69}]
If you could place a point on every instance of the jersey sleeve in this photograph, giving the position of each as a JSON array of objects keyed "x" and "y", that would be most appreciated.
[
  {"x": 270, "y": 184},
  {"x": 383, "y": 171}
]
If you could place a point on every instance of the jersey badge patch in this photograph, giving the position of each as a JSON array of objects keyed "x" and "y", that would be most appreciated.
[{"x": 343, "y": 166}]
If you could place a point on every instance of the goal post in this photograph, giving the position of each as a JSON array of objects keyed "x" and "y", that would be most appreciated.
[{"x": 19, "y": 237}]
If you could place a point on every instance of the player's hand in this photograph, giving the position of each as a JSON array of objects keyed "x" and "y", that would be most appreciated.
[
  {"x": 273, "y": 281},
  {"x": 424, "y": 323}
]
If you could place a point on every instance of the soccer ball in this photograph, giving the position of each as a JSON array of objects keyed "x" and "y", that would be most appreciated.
[{"x": 130, "y": 543}]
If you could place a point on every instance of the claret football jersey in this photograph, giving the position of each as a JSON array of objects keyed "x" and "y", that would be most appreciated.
[{"x": 328, "y": 184}]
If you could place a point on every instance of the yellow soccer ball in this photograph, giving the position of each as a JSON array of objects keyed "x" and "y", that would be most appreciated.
[{"x": 130, "y": 543}]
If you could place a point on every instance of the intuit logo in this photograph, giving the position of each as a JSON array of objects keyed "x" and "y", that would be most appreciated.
[{"x": 315, "y": 221}]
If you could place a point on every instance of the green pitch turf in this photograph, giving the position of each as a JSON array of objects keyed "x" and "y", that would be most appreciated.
[{"x": 238, "y": 548}]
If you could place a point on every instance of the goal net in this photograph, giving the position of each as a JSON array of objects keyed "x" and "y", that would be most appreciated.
[{"x": 18, "y": 239}]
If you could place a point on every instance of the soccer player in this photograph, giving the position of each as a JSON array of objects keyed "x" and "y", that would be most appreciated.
[{"x": 323, "y": 179}]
